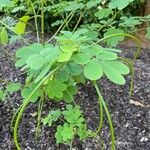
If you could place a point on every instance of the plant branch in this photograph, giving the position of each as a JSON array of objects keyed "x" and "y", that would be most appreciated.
[
  {"x": 24, "y": 105},
  {"x": 107, "y": 114},
  {"x": 36, "y": 22}
]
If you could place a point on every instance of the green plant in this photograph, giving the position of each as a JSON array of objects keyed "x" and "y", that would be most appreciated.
[
  {"x": 54, "y": 71},
  {"x": 74, "y": 124},
  {"x": 70, "y": 61}
]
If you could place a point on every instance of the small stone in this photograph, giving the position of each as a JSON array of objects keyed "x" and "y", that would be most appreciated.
[{"x": 144, "y": 139}]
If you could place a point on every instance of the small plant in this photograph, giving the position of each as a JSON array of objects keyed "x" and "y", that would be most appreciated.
[
  {"x": 74, "y": 124},
  {"x": 54, "y": 70}
]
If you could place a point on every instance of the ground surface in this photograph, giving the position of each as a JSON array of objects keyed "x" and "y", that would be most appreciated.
[{"x": 131, "y": 116}]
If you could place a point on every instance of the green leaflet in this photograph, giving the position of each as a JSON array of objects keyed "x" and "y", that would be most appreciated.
[
  {"x": 65, "y": 56},
  {"x": 72, "y": 6},
  {"x": 114, "y": 70},
  {"x": 21, "y": 25},
  {"x": 92, "y": 3},
  {"x": 92, "y": 51},
  {"x": 114, "y": 40},
  {"x": 3, "y": 36},
  {"x": 120, "y": 4},
  {"x": 81, "y": 58},
  {"x": 73, "y": 69},
  {"x": 5, "y": 3},
  {"x": 119, "y": 66},
  {"x": 106, "y": 55},
  {"x": 36, "y": 61},
  {"x": 103, "y": 13},
  {"x": 93, "y": 70}
]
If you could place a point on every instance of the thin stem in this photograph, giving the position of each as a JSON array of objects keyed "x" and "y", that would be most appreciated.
[
  {"x": 92, "y": 134},
  {"x": 42, "y": 20},
  {"x": 80, "y": 17},
  {"x": 39, "y": 118},
  {"x": 101, "y": 117},
  {"x": 71, "y": 143},
  {"x": 36, "y": 22},
  {"x": 67, "y": 22},
  {"x": 131, "y": 66},
  {"x": 24, "y": 105},
  {"x": 107, "y": 114}
]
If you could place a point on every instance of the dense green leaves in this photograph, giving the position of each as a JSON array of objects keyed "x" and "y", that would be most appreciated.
[
  {"x": 74, "y": 125},
  {"x": 36, "y": 57},
  {"x": 55, "y": 89},
  {"x": 64, "y": 133},
  {"x": 129, "y": 22}
]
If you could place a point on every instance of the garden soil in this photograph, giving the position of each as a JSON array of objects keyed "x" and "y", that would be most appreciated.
[{"x": 131, "y": 116}]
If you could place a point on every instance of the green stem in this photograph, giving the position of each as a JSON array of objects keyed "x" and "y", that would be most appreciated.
[
  {"x": 36, "y": 22},
  {"x": 39, "y": 118},
  {"x": 80, "y": 17},
  {"x": 67, "y": 22},
  {"x": 131, "y": 66},
  {"x": 42, "y": 20},
  {"x": 107, "y": 114},
  {"x": 24, "y": 105},
  {"x": 137, "y": 41}
]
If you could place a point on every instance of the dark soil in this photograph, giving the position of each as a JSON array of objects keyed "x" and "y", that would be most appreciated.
[{"x": 131, "y": 116}]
